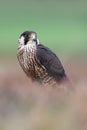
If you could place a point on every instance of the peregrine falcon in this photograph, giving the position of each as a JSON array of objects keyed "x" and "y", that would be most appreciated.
[{"x": 39, "y": 62}]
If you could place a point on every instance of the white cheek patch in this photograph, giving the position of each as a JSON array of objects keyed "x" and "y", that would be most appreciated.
[
  {"x": 38, "y": 41},
  {"x": 21, "y": 40}
]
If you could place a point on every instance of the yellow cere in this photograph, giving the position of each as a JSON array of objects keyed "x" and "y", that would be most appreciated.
[{"x": 31, "y": 36}]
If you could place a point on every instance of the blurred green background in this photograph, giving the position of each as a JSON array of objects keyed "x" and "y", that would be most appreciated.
[{"x": 60, "y": 25}]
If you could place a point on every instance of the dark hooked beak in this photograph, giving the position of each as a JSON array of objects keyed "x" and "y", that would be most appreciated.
[{"x": 35, "y": 40}]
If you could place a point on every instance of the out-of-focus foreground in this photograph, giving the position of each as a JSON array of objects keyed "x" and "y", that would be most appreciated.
[{"x": 27, "y": 106}]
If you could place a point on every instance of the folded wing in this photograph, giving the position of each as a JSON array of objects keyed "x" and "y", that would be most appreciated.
[{"x": 50, "y": 61}]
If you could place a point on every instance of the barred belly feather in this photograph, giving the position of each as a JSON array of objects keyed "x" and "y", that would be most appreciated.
[{"x": 32, "y": 67}]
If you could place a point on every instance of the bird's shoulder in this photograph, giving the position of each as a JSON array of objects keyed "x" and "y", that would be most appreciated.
[
  {"x": 50, "y": 61},
  {"x": 45, "y": 51}
]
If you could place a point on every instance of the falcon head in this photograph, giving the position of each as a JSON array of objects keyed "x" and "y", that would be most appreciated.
[{"x": 28, "y": 37}]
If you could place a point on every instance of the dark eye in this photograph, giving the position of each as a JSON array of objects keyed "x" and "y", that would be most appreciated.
[{"x": 26, "y": 39}]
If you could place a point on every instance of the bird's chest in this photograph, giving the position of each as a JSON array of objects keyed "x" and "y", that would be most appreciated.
[{"x": 30, "y": 64}]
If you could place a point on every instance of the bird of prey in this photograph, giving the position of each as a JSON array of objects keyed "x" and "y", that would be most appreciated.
[{"x": 38, "y": 61}]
